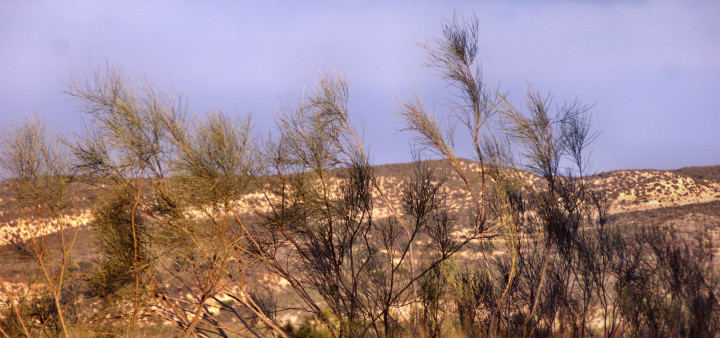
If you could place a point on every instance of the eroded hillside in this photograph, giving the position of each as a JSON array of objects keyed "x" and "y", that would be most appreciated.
[{"x": 626, "y": 190}]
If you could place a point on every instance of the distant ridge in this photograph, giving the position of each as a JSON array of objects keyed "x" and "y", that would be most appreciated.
[{"x": 626, "y": 190}]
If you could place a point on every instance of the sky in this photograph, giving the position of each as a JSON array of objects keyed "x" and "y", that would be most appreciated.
[{"x": 650, "y": 70}]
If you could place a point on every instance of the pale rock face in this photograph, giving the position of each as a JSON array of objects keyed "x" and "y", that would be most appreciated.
[
  {"x": 24, "y": 229},
  {"x": 11, "y": 290}
]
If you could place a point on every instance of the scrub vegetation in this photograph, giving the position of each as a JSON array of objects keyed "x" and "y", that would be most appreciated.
[{"x": 178, "y": 248}]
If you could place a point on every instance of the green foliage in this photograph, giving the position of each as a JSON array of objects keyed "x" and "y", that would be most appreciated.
[
  {"x": 306, "y": 330},
  {"x": 471, "y": 290},
  {"x": 122, "y": 240},
  {"x": 35, "y": 166},
  {"x": 213, "y": 162},
  {"x": 38, "y": 314}
]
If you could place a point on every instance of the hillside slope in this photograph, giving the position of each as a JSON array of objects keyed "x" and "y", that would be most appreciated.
[{"x": 627, "y": 191}]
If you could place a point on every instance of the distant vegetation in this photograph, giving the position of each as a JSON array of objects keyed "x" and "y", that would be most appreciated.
[
  {"x": 179, "y": 247},
  {"x": 707, "y": 173}
]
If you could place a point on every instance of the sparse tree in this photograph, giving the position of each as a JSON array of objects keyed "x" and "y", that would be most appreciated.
[{"x": 37, "y": 174}]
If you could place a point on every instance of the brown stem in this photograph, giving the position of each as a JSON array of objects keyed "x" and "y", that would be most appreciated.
[{"x": 135, "y": 256}]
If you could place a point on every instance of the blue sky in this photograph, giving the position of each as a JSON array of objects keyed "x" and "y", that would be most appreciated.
[{"x": 650, "y": 69}]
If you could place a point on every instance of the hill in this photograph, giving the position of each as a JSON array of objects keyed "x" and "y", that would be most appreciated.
[
  {"x": 685, "y": 199},
  {"x": 626, "y": 190}
]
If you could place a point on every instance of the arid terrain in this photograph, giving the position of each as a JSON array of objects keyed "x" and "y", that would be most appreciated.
[
  {"x": 686, "y": 198},
  {"x": 680, "y": 195}
]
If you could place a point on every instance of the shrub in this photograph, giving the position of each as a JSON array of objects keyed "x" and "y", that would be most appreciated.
[{"x": 177, "y": 238}]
